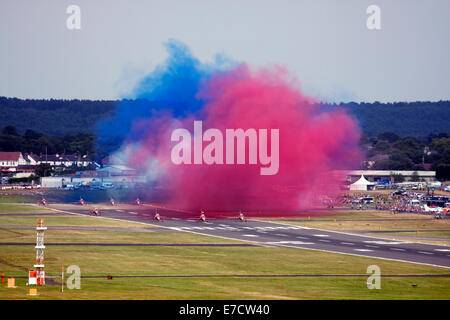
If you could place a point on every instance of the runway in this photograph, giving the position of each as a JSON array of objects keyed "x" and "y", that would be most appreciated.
[{"x": 277, "y": 234}]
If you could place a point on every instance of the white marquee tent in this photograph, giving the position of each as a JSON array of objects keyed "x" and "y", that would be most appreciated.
[{"x": 362, "y": 184}]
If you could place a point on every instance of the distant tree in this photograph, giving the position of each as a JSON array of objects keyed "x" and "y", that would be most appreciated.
[
  {"x": 442, "y": 171},
  {"x": 10, "y": 130},
  {"x": 415, "y": 176},
  {"x": 9, "y": 143},
  {"x": 32, "y": 135},
  {"x": 442, "y": 146},
  {"x": 441, "y": 163},
  {"x": 433, "y": 136},
  {"x": 381, "y": 146},
  {"x": 43, "y": 170},
  {"x": 398, "y": 178},
  {"x": 399, "y": 161},
  {"x": 363, "y": 139},
  {"x": 412, "y": 147},
  {"x": 388, "y": 136}
]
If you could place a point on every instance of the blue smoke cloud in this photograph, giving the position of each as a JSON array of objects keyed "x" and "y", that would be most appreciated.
[{"x": 171, "y": 88}]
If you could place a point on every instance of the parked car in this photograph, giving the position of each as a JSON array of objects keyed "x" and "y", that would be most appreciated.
[
  {"x": 108, "y": 185},
  {"x": 367, "y": 200}
]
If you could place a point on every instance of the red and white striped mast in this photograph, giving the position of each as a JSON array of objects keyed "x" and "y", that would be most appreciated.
[{"x": 40, "y": 274}]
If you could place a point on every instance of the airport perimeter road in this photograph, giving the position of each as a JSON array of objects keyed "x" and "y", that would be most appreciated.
[{"x": 276, "y": 234}]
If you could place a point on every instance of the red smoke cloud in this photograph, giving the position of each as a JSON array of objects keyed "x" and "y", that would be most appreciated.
[{"x": 311, "y": 144}]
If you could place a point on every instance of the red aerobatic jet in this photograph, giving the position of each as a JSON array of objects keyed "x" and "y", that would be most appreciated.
[
  {"x": 43, "y": 202},
  {"x": 95, "y": 211},
  {"x": 202, "y": 216}
]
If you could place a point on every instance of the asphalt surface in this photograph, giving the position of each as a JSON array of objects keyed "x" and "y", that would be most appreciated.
[{"x": 277, "y": 234}]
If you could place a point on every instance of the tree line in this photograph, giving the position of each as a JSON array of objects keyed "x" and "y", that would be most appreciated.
[
  {"x": 397, "y": 136},
  {"x": 61, "y": 117},
  {"x": 388, "y": 151},
  {"x": 39, "y": 143}
]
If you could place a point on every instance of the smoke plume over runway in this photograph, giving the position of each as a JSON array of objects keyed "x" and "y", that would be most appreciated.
[{"x": 230, "y": 95}]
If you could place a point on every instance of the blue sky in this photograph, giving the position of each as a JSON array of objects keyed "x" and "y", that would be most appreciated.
[{"x": 325, "y": 44}]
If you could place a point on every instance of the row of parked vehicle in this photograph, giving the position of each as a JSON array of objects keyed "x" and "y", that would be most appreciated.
[
  {"x": 20, "y": 187},
  {"x": 90, "y": 186}
]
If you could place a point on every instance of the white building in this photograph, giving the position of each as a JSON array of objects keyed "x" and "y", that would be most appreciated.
[
  {"x": 11, "y": 159},
  {"x": 362, "y": 184},
  {"x": 374, "y": 175},
  {"x": 62, "y": 160}
]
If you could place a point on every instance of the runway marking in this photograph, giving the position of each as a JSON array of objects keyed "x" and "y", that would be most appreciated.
[
  {"x": 230, "y": 238},
  {"x": 349, "y": 243},
  {"x": 388, "y": 242},
  {"x": 250, "y": 235},
  {"x": 132, "y": 212},
  {"x": 301, "y": 238},
  {"x": 363, "y": 250},
  {"x": 323, "y": 240},
  {"x": 119, "y": 210},
  {"x": 281, "y": 235},
  {"x": 289, "y": 242},
  {"x": 442, "y": 250},
  {"x": 397, "y": 249},
  {"x": 320, "y": 235},
  {"x": 423, "y": 252},
  {"x": 271, "y": 228},
  {"x": 368, "y": 245}
]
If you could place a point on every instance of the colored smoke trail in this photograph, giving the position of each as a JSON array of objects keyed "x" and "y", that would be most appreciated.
[{"x": 312, "y": 142}]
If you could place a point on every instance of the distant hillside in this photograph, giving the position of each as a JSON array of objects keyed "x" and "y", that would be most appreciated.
[
  {"x": 60, "y": 117},
  {"x": 413, "y": 119},
  {"x": 53, "y": 117}
]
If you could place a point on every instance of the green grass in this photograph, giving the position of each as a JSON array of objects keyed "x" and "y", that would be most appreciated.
[
  {"x": 91, "y": 236},
  {"x": 6, "y": 208},
  {"x": 419, "y": 234},
  {"x": 68, "y": 220},
  {"x": 178, "y": 261},
  {"x": 368, "y": 221},
  {"x": 223, "y": 261},
  {"x": 396, "y": 224},
  {"x": 354, "y": 214},
  {"x": 239, "y": 288},
  {"x": 15, "y": 197}
]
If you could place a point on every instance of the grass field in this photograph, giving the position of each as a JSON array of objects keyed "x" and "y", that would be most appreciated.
[
  {"x": 18, "y": 196},
  {"x": 6, "y": 208},
  {"x": 421, "y": 234},
  {"x": 179, "y": 262},
  {"x": 371, "y": 221}
]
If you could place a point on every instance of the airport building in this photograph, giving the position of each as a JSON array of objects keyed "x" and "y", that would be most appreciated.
[{"x": 389, "y": 175}]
